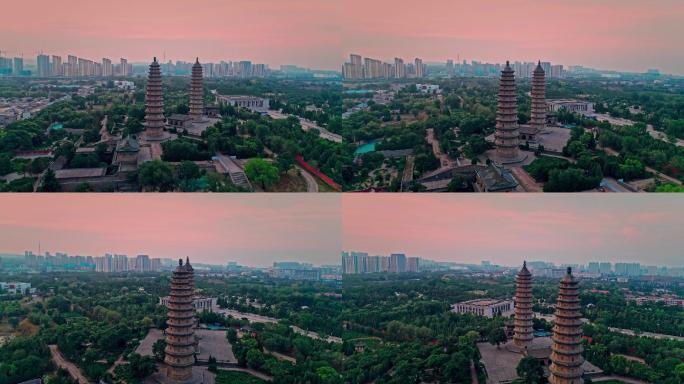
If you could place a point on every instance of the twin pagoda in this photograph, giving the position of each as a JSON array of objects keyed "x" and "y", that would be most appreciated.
[
  {"x": 154, "y": 101},
  {"x": 507, "y": 135},
  {"x": 566, "y": 341}
]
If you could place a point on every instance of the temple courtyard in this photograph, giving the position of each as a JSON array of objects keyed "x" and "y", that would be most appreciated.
[{"x": 210, "y": 343}]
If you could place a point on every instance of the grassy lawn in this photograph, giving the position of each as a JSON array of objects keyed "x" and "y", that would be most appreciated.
[
  {"x": 289, "y": 182},
  {"x": 323, "y": 187},
  {"x": 234, "y": 377}
]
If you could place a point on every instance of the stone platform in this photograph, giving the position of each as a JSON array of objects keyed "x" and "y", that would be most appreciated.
[
  {"x": 493, "y": 156},
  {"x": 200, "y": 375},
  {"x": 501, "y": 363}
]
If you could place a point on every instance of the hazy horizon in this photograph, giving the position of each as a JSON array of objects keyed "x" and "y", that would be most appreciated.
[
  {"x": 258, "y": 229},
  {"x": 509, "y": 228},
  {"x": 209, "y": 228},
  {"x": 623, "y": 35}
]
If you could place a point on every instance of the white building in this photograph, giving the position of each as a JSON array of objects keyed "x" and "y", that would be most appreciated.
[
  {"x": 577, "y": 106},
  {"x": 428, "y": 88},
  {"x": 125, "y": 85},
  {"x": 256, "y": 104},
  {"x": 484, "y": 307},
  {"x": 14, "y": 288}
]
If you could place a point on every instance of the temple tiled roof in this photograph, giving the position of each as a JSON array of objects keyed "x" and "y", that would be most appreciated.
[
  {"x": 496, "y": 178},
  {"x": 128, "y": 144}
]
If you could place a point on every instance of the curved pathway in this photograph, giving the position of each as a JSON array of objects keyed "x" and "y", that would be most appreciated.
[
  {"x": 311, "y": 184},
  {"x": 252, "y": 372},
  {"x": 62, "y": 362}
]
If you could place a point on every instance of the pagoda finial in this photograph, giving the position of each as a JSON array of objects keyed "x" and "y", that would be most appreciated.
[
  {"x": 180, "y": 262},
  {"x": 524, "y": 263},
  {"x": 187, "y": 260},
  {"x": 197, "y": 60},
  {"x": 569, "y": 270},
  {"x": 155, "y": 59}
]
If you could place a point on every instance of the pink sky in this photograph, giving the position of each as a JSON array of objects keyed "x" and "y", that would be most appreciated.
[
  {"x": 614, "y": 34},
  {"x": 253, "y": 229},
  {"x": 257, "y": 229},
  {"x": 510, "y": 228}
]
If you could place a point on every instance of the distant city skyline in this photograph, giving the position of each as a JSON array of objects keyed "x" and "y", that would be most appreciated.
[
  {"x": 509, "y": 228},
  {"x": 624, "y": 35},
  {"x": 256, "y": 230},
  {"x": 211, "y": 228}
]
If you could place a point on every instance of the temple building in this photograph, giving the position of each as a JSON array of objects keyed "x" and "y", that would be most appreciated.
[
  {"x": 523, "y": 331},
  {"x": 154, "y": 104},
  {"x": 506, "y": 136},
  {"x": 126, "y": 154},
  {"x": 561, "y": 353},
  {"x": 566, "y": 347},
  {"x": 197, "y": 93},
  {"x": 538, "y": 113},
  {"x": 180, "y": 335}
]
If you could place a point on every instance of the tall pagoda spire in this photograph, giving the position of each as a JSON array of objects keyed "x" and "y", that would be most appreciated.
[
  {"x": 154, "y": 104},
  {"x": 566, "y": 347},
  {"x": 196, "y": 92},
  {"x": 522, "y": 336},
  {"x": 538, "y": 115},
  {"x": 180, "y": 335},
  {"x": 506, "y": 136}
]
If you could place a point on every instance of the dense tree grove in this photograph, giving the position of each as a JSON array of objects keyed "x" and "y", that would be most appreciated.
[
  {"x": 460, "y": 118},
  {"x": 384, "y": 328},
  {"x": 92, "y": 320}
]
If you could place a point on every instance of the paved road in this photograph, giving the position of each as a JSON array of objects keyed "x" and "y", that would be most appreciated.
[
  {"x": 62, "y": 362},
  {"x": 316, "y": 336},
  {"x": 613, "y": 185},
  {"x": 251, "y": 317},
  {"x": 652, "y": 335},
  {"x": 444, "y": 159},
  {"x": 252, "y": 372},
  {"x": 613, "y": 152},
  {"x": 526, "y": 181},
  {"x": 118, "y": 362},
  {"x": 662, "y": 136},
  {"x": 311, "y": 184},
  {"x": 307, "y": 125},
  {"x": 473, "y": 371},
  {"x": 254, "y": 318}
]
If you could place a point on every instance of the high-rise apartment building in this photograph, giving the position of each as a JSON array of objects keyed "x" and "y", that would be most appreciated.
[
  {"x": 73, "y": 66},
  {"x": 43, "y": 63},
  {"x": 605, "y": 268},
  {"x": 57, "y": 68},
  {"x": 397, "y": 263},
  {"x": 107, "y": 68},
  {"x": 420, "y": 69},
  {"x": 593, "y": 267},
  {"x": 399, "y": 68},
  {"x": 628, "y": 269},
  {"x": 18, "y": 66},
  {"x": 450, "y": 67},
  {"x": 413, "y": 264},
  {"x": 120, "y": 263},
  {"x": 124, "y": 68},
  {"x": 142, "y": 263},
  {"x": 244, "y": 69}
]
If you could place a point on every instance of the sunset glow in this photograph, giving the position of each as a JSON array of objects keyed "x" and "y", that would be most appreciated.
[
  {"x": 257, "y": 229},
  {"x": 613, "y": 34}
]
